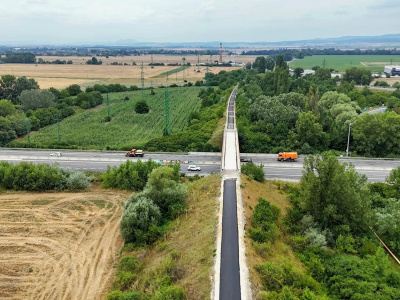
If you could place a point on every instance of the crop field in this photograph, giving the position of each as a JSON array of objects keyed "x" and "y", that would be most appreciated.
[
  {"x": 126, "y": 129},
  {"x": 61, "y": 76},
  {"x": 59, "y": 245},
  {"x": 375, "y": 63}
]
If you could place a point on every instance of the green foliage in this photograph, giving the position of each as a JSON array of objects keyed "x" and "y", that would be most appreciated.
[
  {"x": 260, "y": 64},
  {"x": 78, "y": 181},
  {"x": 165, "y": 191},
  {"x": 334, "y": 195},
  {"x": 34, "y": 99},
  {"x": 41, "y": 177},
  {"x": 254, "y": 171},
  {"x": 361, "y": 76},
  {"x": 123, "y": 281},
  {"x": 139, "y": 216},
  {"x": 309, "y": 132},
  {"x": 129, "y": 175},
  {"x": 73, "y": 89},
  {"x": 134, "y": 130},
  {"x": 377, "y": 135},
  {"x": 7, "y": 108},
  {"x": 263, "y": 221},
  {"x": 173, "y": 292},
  {"x": 141, "y": 107}
]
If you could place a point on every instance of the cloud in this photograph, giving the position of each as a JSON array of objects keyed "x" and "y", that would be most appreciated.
[{"x": 385, "y": 4}]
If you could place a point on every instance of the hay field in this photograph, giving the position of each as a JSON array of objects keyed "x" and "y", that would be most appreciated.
[
  {"x": 61, "y": 76},
  {"x": 375, "y": 63},
  {"x": 59, "y": 245}
]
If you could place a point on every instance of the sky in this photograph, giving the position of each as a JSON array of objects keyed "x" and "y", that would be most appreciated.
[{"x": 106, "y": 21}]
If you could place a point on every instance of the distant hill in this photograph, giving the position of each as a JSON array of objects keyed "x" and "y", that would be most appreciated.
[{"x": 387, "y": 40}]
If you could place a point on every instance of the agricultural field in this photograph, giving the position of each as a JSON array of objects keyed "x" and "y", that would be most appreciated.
[
  {"x": 127, "y": 129},
  {"x": 59, "y": 245},
  {"x": 61, "y": 76},
  {"x": 375, "y": 63}
]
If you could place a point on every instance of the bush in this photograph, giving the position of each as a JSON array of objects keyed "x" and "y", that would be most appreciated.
[
  {"x": 141, "y": 107},
  {"x": 172, "y": 292},
  {"x": 78, "y": 181},
  {"x": 263, "y": 222},
  {"x": 255, "y": 172},
  {"x": 138, "y": 218},
  {"x": 42, "y": 177},
  {"x": 124, "y": 280},
  {"x": 128, "y": 263},
  {"x": 129, "y": 176}
]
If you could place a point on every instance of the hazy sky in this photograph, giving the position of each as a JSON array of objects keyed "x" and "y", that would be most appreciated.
[{"x": 96, "y": 21}]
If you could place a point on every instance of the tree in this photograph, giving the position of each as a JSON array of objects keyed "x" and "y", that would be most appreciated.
[
  {"x": 164, "y": 190},
  {"x": 139, "y": 216},
  {"x": 377, "y": 134},
  {"x": 270, "y": 63},
  {"x": 309, "y": 131},
  {"x": 35, "y": 99},
  {"x": 322, "y": 74},
  {"x": 335, "y": 195},
  {"x": 358, "y": 75},
  {"x": 298, "y": 71},
  {"x": 260, "y": 64},
  {"x": 141, "y": 107},
  {"x": 6, "y": 108},
  {"x": 74, "y": 89},
  {"x": 396, "y": 85}
]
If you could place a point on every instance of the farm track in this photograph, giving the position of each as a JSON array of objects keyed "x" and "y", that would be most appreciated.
[{"x": 58, "y": 246}]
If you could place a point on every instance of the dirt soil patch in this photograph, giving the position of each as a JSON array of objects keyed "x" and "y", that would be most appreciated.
[{"x": 59, "y": 245}]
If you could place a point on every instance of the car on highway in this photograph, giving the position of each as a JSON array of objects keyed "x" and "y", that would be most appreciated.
[
  {"x": 56, "y": 154},
  {"x": 194, "y": 168},
  {"x": 245, "y": 159}
]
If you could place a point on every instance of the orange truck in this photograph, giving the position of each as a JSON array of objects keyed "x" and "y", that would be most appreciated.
[
  {"x": 288, "y": 156},
  {"x": 134, "y": 152}
]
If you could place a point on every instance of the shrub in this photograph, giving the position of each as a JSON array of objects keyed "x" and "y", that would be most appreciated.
[
  {"x": 172, "y": 292},
  {"x": 255, "y": 172},
  {"x": 129, "y": 176},
  {"x": 138, "y": 218},
  {"x": 124, "y": 280},
  {"x": 263, "y": 221},
  {"x": 78, "y": 181},
  {"x": 141, "y": 107},
  {"x": 128, "y": 263}
]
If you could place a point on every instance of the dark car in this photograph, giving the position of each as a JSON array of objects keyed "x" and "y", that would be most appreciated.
[{"x": 245, "y": 159}]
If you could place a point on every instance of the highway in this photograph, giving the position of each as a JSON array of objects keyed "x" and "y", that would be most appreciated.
[{"x": 375, "y": 169}]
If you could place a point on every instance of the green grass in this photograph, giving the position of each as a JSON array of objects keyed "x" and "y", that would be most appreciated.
[
  {"x": 181, "y": 68},
  {"x": 375, "y": 63},
  {"x": 126, "y": 129}
]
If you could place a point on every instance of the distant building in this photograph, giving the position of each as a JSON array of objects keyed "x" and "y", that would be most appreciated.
[{"x": 392, "y": 70}]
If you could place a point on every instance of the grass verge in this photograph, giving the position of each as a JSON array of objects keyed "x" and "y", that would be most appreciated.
[{"x": 184, "y": 255}]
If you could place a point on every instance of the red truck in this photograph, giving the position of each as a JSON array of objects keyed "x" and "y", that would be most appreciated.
[{"x": 288, "y": 156}]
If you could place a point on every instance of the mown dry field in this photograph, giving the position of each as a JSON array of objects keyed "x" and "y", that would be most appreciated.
[
  {"x": 59, "y": 245},
  {"x": 61, "y": 76}
]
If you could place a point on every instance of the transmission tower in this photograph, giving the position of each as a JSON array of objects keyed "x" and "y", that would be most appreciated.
[
  {"x": 142, "y": 80},
  {"x": 166, "y": 110},
  {"x": 28, "y": 129},
  {"x": 108, "y": 107},
  {"x": 207, "y": 81},
  {"x": 198, "y": 63},
  {"x": 58, "y": 128},
  {"x": 184, "y": 67},
  {"x": 324, "y": 64}
]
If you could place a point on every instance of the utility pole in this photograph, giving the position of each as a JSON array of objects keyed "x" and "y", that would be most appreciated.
[
  {"x": 348, "y": 142},
  {"x": 324, "y": 64},
  {"x": 198, "y": 63}
]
